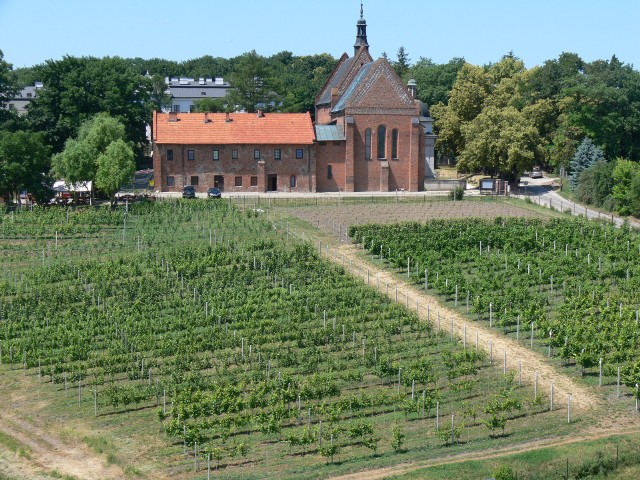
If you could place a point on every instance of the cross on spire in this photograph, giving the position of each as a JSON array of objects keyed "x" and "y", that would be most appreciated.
[{"x": 361, "y": 10}]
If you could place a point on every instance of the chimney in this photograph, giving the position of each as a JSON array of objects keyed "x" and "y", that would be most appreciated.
[
  {"x": 412, "y": 87},
  {"x": 173, "y": 116},
  {"x": 334, "y": 95},
  {"x": 206, "y": 118},
  {"x": 260, "y": 113},
  {"x": 227, "y": 118}
]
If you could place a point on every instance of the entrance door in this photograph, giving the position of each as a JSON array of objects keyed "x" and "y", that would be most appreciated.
[
  {"x": 218, "y": 182},
  {"x": 272, "y": 183}
]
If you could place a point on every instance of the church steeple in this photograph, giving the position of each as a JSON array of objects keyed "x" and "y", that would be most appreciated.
[{"x": 361, "y": 36}]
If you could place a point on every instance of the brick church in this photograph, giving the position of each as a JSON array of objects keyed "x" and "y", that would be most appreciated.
[{"x": 371, "y": 133}]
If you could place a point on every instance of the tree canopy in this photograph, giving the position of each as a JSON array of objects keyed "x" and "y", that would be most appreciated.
[
  {"x": 75, "y": 89},
  {"x": 24, "y": 163},
  {"x": 79, "y": 159}
]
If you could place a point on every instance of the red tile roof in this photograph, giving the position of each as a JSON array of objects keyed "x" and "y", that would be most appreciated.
[{"x": 243, "y": 128}]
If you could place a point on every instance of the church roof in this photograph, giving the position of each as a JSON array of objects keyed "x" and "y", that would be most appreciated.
[
  {"x": 362, "y": 74},
  {"x": 335, "y": 80},
  {"x": 241, "y": 128}
]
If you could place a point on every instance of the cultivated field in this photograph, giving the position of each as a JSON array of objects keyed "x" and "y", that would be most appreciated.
[{"x": 188, "y": 339}]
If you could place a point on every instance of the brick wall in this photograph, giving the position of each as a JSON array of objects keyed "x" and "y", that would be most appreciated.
[
  {"x": 234, "y": 174},
  {"x": 330, "y": 154}
]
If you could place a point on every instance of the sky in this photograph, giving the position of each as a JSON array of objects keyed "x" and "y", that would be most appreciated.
[{"x": 481, "y": 31}]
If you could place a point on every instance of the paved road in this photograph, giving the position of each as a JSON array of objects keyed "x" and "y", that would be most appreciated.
[{"x": 543, "y": 195}]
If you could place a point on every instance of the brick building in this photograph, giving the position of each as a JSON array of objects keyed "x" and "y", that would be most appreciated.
[
  {"x": 244, "y": 152},
  {"x": 370, "y": 134}
]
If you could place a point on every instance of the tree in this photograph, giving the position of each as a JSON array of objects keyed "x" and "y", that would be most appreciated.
[
  {"x": 24, "y": 163},
  {"x": 75, "y": 89},
  {"x": 435, "y": 81},
  {"x": 115, "y": 166},
  {"x": 595, "y": 185},
  {"x": 212, "y": 105},
  {"x": 402, "y": 64},
  {"x": 586, "y": 155},
  {"x": 625, "y": 177},
  {"x": 158, "y": 96},
  {"x": 500, "y": 141},
  {"x": 79, "y": 159},
  {"x": 253, "y": 83},
  {"x": 7, "y": 90}
]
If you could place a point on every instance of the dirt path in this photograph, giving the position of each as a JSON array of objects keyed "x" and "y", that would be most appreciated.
[
  {"x": 582, "y": 398},
  {"x": 45, "y": 454},
  {"x": 591, "y": 434}
]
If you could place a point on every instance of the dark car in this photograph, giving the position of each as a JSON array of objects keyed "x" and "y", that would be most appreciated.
[
  {"x": 189, "y": 192},
  {"x": 214, "y": 192}
]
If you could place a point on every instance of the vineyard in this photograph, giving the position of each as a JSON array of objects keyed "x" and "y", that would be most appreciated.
[
  {"x": 567, "y": 287},
  {"x": 252, "y": 355}
]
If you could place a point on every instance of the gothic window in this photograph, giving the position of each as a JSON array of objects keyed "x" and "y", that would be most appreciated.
[
  {"x": 367, "y": 144},
  {"x": 382, "y": 141},
  {"x": 394, "y": 144}
]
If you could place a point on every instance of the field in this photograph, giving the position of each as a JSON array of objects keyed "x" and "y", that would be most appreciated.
[{"x": 184, "y": 339}]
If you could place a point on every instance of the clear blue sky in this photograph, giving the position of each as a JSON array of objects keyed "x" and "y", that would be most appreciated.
[{"x": 481, "y": 31}]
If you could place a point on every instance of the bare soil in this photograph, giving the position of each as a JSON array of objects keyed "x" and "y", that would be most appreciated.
[{"x": 47, "y": 451}]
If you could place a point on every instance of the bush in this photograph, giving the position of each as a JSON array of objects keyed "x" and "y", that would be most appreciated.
[
  {"x": 456, "y": 193},
  {"x": 504, "y": 473}
]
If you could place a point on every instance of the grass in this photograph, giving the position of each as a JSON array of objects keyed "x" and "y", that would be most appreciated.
[{"x": 611, "y": 457}]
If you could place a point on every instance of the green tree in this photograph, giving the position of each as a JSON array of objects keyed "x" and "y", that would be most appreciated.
[
  {"x": 253, "y": 82},
  {"x": 595, "y": 185},
  {"x": 625, "y": 177},
  {"x": 75, "y": 89},
  {"x": 211, "y": 105},
  {"x": 158, "y": 96},
  {"x": 402, "y": 63},
  {"x": 435, "y": 81},
  {"x": 78, "y": 161},
  {"x": 500, "y": 141},
  {"x": 24, "y": 164},
  {"x": 7, "y": 91},
  {"x": 114, "y": 167},
  {"x": 586, "y": 155}
]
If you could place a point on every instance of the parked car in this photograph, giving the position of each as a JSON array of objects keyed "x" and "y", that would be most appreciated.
[
  {"x": 214, "y": 192},
  {"x": 537, "y": 173},
  {"x": 189, "y": 192}
]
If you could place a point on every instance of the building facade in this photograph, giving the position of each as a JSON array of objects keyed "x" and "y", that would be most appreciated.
[
  {"x": 236, "y": 152},
  {"x": 371, "y": 133},
  {"x": 184, "y": 92}
]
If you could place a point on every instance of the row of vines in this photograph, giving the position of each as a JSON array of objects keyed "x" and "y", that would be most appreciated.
[
  {"x": 246, "y": 346},
  {"x": 569, "y": 287}
]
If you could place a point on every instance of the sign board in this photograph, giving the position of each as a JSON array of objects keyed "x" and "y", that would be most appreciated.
[{"x": 487, "y": 184}]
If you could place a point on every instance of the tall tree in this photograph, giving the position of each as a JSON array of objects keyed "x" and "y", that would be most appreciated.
[
  {"x": 586, "y": 155},
  {"x": 625, "y": 175},
  {"x": 75, "y": 89},
  {"x": 435, "y": 81},
  {"x": 115, "y": 167},
  {"x": 78, "y": 161},
  {"x": 253, "y": 83},
  {"x": 7, "y": 90},
  {"x": 402, "y": 63},
  {"x": 158, "y": 96},
  {"x": 24, "y": 164}
]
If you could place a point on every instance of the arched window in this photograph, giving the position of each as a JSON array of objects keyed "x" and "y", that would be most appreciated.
[
  {"x": 394, "y": 144},
  {"x": 292, "y": 181},
  {"x": 382, "y": 141},
  {"x": 367, "y": 144}
]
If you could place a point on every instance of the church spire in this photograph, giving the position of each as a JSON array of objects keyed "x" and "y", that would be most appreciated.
[{"x": 361, "y": 36}]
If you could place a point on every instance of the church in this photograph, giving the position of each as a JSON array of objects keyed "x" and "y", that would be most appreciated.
[{"x": 371, "y": 134}]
